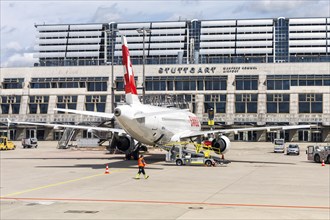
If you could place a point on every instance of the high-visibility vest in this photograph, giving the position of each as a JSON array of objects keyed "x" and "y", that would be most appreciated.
[{"x": 141, "y": 162}]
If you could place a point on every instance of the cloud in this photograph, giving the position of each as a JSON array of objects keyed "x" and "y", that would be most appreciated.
[
  {"x": 7, "y": 30},
  {"x": 20, "y": 60},
  {"x": 297, "y": 8},
  {"x": 14, "y": 55},
  {"x": 107, "y": 14},
  {"x": 13, "y": 45}
]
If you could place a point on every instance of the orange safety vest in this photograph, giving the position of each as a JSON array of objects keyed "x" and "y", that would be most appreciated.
[{"x": 141, "y": 162}]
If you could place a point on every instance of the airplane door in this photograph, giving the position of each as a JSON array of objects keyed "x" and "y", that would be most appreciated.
[
  {"x": 156, "y": 133},
  {"x": 155, "y": 123}
]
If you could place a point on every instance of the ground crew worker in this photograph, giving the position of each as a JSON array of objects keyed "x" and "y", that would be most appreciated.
[{"x": 141, "y": 164}]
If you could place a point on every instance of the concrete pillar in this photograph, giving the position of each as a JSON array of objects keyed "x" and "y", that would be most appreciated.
[
  {"x": 49, "y": 134},
  {"x": 231, "y": 136},
  {"x": 20, "y": 134},
  {"x": 326, "y": 134},
  {"x": 261, "y": 136},
  {"x": 293, "y": 135},
  {"x": 81, "y": 102}
]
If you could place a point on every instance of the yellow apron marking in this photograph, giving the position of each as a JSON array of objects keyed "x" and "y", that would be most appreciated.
[{"x": 60, "y": 183}]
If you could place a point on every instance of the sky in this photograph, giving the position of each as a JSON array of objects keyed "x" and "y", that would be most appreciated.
[{"x": 18, "y": 17}]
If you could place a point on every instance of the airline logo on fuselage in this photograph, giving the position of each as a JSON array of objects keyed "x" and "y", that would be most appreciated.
[{"x": 194, "y": 122}]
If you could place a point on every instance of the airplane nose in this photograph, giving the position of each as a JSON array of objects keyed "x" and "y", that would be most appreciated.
[{"x": 117, "y": 112}]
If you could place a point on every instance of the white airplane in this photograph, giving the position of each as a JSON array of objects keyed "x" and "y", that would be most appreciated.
[{"x": 153, "y": 125}]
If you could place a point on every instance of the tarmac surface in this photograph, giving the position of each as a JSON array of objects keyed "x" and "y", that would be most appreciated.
[{"x": 49, "y": 183}]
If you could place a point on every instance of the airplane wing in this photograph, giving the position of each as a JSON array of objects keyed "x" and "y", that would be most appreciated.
[
  {"x": 165, "y": 112},
  {"x": 236, "y": 130},
  {"x": 57, "y": 126},
  {"x": 98, "y": 114}
]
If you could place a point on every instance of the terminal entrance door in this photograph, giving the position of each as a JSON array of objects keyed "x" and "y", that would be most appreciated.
[
  {"x": 31, "y": 133},
  {"x": 246, "y": 136},
  {"x": 316, "y": 136},
  {"x": 303, "y": 135},
  {"x": 277, "y": 134},
  {"x": 271, "y": 136},
  {"x": 41, "y": 134}
]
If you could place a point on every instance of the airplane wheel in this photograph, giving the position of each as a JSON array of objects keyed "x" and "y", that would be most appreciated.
[
  {"x": 128, "y": 156},
  {"x": 179, "y": 162},
  {"x": 135, "y": 155}
]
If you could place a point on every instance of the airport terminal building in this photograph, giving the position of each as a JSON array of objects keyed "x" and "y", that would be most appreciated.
[{"x": 252, "y": 72}]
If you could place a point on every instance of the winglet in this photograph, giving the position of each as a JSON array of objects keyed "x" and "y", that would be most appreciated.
[{"x": 130, "y": 87}]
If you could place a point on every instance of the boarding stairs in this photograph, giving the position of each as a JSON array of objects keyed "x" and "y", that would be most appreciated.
[{"x": 69, "y": 134}]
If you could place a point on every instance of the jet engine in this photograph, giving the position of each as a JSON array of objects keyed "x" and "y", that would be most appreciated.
[
  {"x": 221, "y": 144},
  {"x": 123, "y": 143}
]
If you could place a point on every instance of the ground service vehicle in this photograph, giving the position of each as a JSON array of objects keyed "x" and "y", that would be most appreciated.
[
  {"x": 318, "y": 153},
  {"x": 5, "y": 144},
  {"x": 293, "y": 149},
  {"x": 182, "y": 156},
  {"x": 29, "y": 142},
  {"x": 279, "y": 145}
]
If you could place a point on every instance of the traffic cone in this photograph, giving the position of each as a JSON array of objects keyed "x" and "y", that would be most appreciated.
[
  {"x": 107, "y": 170},
  {"x": 323, "y": 163}
]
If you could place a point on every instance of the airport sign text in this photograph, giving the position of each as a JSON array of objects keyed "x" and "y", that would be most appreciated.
[{"x": 181, "y": 70}]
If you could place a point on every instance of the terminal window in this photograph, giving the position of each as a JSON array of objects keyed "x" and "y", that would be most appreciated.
[
  {"x": 66, "y": 102},
  {"x": 310, "y": 103},
  {"x": 215, "y": 101},
  {"x": 278, "y": 103},
  {"x": 38, "y": 104},
  {"x": 246, "y": 82},
  {"x": 95, "y": 103},
  {"x": 246, "y": 103},
  {"x": 10, "y": 104},
  {"x": 13, "y": 83}
]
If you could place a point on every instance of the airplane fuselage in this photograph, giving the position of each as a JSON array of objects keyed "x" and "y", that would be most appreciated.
[{"x": 155, "y": 129}]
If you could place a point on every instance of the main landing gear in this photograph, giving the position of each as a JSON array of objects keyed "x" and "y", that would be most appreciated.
[{"x": 135, "y": 153}]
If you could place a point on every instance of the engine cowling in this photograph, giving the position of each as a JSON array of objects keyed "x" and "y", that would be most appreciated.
[
  {"x": 221, "y": 145},
  {"x": 123, "y": 143}
]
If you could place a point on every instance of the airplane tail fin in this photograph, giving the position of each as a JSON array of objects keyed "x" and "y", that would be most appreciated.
[{"x": 130, "y": 87}]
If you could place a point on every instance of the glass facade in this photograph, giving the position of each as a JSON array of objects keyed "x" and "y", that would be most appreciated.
[
  {"x": 91, "y": 83},
  {"x": 185, "y": 83},
  {"x": 270, "y": 40},
  {"x": 281, "y": 37},
  {"x": 284, "y": 82}
]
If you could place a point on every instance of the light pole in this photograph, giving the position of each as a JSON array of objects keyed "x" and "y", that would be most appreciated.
[
  {"x": 112, "y": 33},
  {"x": 143, "y": 31}
]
